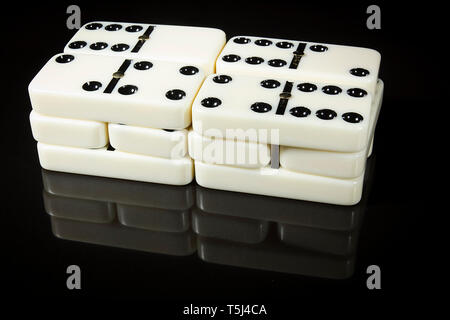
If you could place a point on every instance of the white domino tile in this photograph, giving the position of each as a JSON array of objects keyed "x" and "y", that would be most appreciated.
[
  {"x": 311, "y": 117},
  {"x": 317, "y": 62},
  {"x": 148, "y": 141},
  {"x": 280, "y": 183},
  {"x": 115, "y": 164},
  {"x": 342, "y": 165},
  {"x": 152, "y": 94},
  {"x": 228, "y": 152},
  {"x": 68, "y": 132},
  {"x": 334, "y": 164},
  {"x": 189, "y": 45}
]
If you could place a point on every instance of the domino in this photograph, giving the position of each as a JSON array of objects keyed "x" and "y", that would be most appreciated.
[
  {"x": 115, "y": 164},
  {"x": 300, "y": 61},
  {"x": 280, "y": 183},
  {"x": 295, "y": 114},
  {"x": 68, "y": 132},
  {"x": 341, "y": 165},
  {"x": 287, "y": 211},
  {"x": 154, "y": 94},
  {"x": 334, "y": 164},
  {"x": 165, "y": 143},
  {"x": 187, "y": 45}
]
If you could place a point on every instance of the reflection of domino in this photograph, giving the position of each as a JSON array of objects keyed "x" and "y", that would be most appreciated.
[
  {"x": 238, "y": 229},
  {"x": 275, "y": 256},
  {"x": 132, "y": 193},
  {"x": 156, "y": 219},
  {"x": 119, "y": 236},
  {"x": 148, "y": 206},
  {"x": 79, "y": 209},
  {"x": 95, "y": 211},
  {"x": 325, "y": 241},
  {"x": 120, "y": 213}
]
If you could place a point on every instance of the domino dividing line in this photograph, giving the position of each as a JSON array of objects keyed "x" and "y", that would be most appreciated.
[
  {"x": 298, "y": 54},
  {"x": 284, "y": 97},
  {"x": 274, "y": 156},
  {"x": 281, "y": 109},
  {"x": 117, "y": 75},
  {"x": 144, "y": 37}
]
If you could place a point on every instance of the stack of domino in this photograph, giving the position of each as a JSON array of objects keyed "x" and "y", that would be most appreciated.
[
  {"x": 288, "y": 119},
  {"x": 279, "y": 117},
  {"x": 117, "y": 102}
]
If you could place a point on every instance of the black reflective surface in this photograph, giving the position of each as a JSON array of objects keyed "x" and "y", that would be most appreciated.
[
  {"x": 226, "y": 228},
  {"x": 398, "y": 231}
]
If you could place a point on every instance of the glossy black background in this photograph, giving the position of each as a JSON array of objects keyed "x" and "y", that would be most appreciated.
[{"x": 393, "y": 234}]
